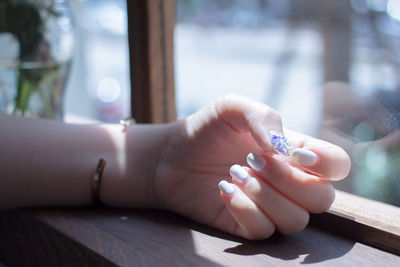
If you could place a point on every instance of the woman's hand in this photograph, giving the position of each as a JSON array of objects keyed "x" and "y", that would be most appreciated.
[
  {"x": 275, "y": 193},
  {"x": 177, "y": 166}
]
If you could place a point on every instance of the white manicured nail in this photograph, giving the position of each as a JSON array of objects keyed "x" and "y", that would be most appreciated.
[
  {"x": 226, "y": 187},
  {"x": 304, "y": 157},
  {"x": 238, "y": 173},
  {"x": 255, "y": 161}
]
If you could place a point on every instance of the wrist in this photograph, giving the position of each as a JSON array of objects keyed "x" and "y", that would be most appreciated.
[{"x": 129, "y": 175}]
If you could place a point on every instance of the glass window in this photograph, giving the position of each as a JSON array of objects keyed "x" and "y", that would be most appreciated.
[
  {"x": 99, "y": 87},
  {"x": 331, "y": 68}
]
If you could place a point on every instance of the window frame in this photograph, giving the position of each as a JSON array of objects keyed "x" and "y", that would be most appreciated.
[{"x": 151, "y": 34}]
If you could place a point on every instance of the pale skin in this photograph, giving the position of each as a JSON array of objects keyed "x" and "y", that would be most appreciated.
[{"x": 175, "y": 166}]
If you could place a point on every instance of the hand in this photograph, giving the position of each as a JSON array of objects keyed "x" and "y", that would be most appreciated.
[{"x": 277, "y": 193}]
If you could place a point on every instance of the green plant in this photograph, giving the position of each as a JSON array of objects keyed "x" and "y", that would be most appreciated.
[{"x": 25, "y": 20}]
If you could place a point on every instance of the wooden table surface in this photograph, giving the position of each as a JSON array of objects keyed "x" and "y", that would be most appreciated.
[{"x": 109, "y": 237}]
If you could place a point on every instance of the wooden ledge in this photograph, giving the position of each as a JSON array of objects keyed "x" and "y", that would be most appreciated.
[
  {"x": 367, "y": 221},
  {"x": 121, "y": 237}
]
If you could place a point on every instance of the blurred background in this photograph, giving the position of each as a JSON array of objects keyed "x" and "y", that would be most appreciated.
[{"x": 331, "y": 68}]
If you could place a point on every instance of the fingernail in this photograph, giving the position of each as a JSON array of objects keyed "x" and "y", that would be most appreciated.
[
  {"x": 238, "y": 173},
  {"x": 226, "y": 187},
  {"x": 280, "y": 143},
  {"x": 304, "y": 157},
  {"x": 255, "y": 161}
]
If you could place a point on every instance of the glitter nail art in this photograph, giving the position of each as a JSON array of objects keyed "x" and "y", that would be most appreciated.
[
  {"x": 392, "y": 121},
  {"x": 280, "y": 143}
]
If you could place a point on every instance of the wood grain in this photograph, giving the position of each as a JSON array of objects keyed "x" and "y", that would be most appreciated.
[
  {"x": 158, "y": 238},
  {"x": 26, "y": 241},
  {"x": 150, "y": 32},
  {"x": 364, "y": 220}
]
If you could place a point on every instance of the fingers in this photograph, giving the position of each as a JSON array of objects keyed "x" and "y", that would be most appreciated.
[
  {"x": 288, "y": 217},
  {"x": 273, "y": 193},
  {"x": 246, "y": 115},
  {"x": 314, "y": 194},
  {"x": 319, "y": 157},
  {"x": 252, "y": 223}
]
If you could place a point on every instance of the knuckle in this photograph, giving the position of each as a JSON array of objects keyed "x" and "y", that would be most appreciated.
[
  {"x": 264, "y": 114},
  {"x": 273, "y": 114},
  {"x": 269, "y": 113},
  {"x": 226, "y": 104},
  {"x": 229, "y": 99},
  {"x": 252, "y": 109}
]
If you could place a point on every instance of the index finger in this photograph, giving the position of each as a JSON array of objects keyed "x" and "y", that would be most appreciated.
[{"x": 327, "y": 160}]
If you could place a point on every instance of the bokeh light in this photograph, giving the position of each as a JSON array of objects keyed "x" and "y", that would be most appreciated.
[
  {"x": 393, "y": 9},
  {"x": 108, "y": 90}
]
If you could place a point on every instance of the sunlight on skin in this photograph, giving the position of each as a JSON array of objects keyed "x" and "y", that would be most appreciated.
[{"x": 119, "y": 142}]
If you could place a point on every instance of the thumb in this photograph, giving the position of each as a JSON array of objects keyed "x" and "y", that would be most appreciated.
[{"x": 246, "y": 115}]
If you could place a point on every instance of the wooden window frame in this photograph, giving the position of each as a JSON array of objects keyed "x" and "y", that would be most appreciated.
[
  {"x": 150, "y": 34},
  {"x": 150, "y": 30}
]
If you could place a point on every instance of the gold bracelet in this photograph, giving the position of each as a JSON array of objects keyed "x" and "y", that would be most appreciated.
[{"x": 96, "y": 179}]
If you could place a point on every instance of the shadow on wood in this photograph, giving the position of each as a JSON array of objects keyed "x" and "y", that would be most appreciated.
[
  {"x": 25, "y": 241},
  {"x": 166, "y": 238},
  {"x": 311, "y": 245},
  {"x": 107, "y": 236}
]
